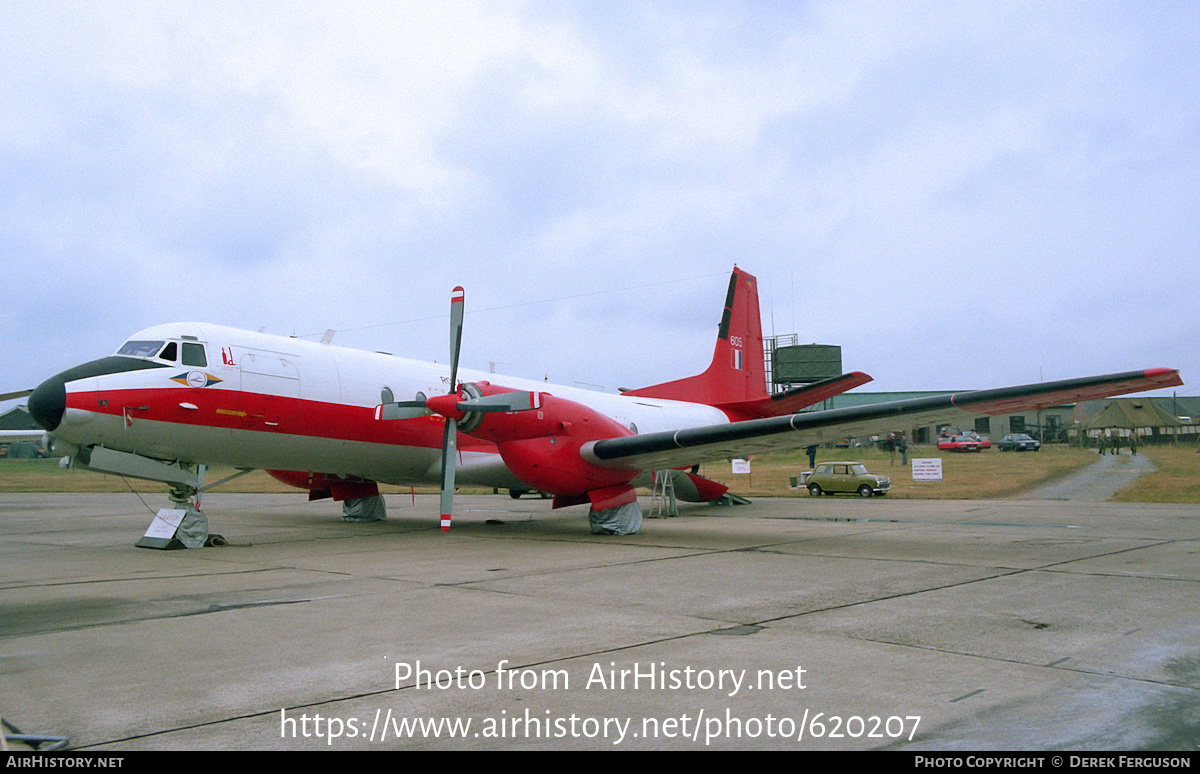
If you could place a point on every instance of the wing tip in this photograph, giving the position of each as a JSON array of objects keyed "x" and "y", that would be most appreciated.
[{"x": 1164, "y": 374}]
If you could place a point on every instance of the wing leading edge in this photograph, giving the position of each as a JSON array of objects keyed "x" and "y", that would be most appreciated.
[{"x": 679, "y": 448}]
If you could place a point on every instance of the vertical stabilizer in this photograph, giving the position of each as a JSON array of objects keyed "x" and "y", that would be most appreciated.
[{"x": 736, "y": 374}]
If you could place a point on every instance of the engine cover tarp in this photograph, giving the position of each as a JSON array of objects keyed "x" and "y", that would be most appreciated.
[
  {"x": 364, "y": 509},
  {"x": 622, "y": 520},
  {"x": 193, "y": 528}
]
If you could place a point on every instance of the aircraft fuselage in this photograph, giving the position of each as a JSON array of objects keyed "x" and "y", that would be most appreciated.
[{"x": 226, "y": 396}]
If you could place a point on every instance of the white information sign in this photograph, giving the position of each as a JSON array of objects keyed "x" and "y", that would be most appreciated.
[
  {"x": 741, "y": 467},
  {"x": 166, "y": 521},
  {"x": 927, "y": 469}
]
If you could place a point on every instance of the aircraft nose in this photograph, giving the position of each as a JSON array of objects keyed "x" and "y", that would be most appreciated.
[{"x": 48, "y": 402}]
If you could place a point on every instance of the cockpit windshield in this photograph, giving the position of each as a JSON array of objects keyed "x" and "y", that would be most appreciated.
[
  {"x": 189, "y": 353},
  {"x": 140, "y": 348}
]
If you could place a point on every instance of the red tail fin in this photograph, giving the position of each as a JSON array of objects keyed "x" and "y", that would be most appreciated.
[
  {"x": 736, "y": 380},
  {"x": 736, "y": 374}
]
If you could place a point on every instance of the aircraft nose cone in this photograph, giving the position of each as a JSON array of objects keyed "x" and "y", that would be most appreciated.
[{"x": 48, "y": 403}]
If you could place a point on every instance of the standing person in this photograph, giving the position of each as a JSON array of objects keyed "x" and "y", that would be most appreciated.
[
  {"x": 1133, "y": 441},
  {"x": 891, "y": 444},
  {"x": 1116, "y": 442},
  {"x": 1100, "y": 443},
  {"x": 903, "y": 449},
  {"x": 812, "y": 456}
]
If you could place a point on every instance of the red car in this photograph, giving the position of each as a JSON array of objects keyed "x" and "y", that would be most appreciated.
[{"x": 959, "y": 443}]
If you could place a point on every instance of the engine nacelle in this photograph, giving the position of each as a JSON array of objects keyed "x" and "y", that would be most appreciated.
[
  {"x": 553, "y": 464},
  {"x": 540, "y": 445}
]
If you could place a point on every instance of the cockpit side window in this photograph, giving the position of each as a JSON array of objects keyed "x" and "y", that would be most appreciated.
[
  {"x": 140, "y": 348},
  {"x": 168, "y": 352},
  {"x": 193, "y": 355}
]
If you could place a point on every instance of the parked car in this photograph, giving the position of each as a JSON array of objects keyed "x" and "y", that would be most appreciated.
[
  {"x": 959, "y": 443},
  {"x": 1018, "y": 442},
  {"x": 984, "y": 441},
  {"x": 846, "y": 477}
]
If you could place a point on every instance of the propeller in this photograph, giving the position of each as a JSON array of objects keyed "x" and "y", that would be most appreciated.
[
  {"x": 462, "y": 406},
  {"x": 450, "y": 433}
]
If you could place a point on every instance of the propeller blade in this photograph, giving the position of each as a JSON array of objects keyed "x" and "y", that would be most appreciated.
[
  {"x": 449, "y": 463},
  {"x": 504, "y": 401},
  {"x": 18, "y": 394},
  {"x": 450, "y": 435},
  {"x": 456, "y": 326},
  {"x": 405, "y": 409}
]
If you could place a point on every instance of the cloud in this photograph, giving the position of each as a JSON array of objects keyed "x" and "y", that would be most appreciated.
[{"x": 927, "y": 184}]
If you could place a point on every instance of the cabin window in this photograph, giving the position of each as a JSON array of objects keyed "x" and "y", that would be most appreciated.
[{"x": 193, "y": 355}]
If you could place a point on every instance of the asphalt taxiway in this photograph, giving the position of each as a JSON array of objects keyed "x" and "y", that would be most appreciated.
[{"x": 805, "y": 623}]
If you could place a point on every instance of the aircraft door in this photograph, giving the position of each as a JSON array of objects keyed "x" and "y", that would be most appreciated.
[{"x": 270, "y": 388}]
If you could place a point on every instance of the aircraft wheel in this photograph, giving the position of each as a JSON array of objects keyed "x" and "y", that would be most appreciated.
[
  {"x": 865, "y": 491},
  {"x": 814, "y": 490},
  {"x": 515, "y": 494}
]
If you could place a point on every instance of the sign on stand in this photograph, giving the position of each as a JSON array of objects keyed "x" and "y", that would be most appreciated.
[{"x": 927, "y": 469}]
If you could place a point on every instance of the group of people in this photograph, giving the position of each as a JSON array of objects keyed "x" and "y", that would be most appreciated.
[
  {"x": 1112, "y": 442},
  {"x": 896, "y": 442}
]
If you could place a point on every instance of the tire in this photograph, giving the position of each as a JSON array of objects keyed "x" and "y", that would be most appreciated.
[
  {"x": 814, "y": 490},
  {"x": 865, "y": 491},
  {"x": 515, "y": 493}
]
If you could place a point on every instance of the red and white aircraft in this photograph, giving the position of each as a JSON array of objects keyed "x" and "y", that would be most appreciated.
[{"x": 337, "y": 421}]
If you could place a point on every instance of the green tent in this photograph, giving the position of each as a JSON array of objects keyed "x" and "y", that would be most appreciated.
[{"x": 1132, "y": 413}]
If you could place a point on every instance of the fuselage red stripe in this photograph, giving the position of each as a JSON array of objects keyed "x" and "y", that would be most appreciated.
[{"x": 234, "y": 410}]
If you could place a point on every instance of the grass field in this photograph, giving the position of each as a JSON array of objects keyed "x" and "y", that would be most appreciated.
[
  {"x": 988, "y": 474},
  {"x": 1177, "y": 479},
  {"x": 47, "y": 476},
  {"x": 965, "y": 476}
]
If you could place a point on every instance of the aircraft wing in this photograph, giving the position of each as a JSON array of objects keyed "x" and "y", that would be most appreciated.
[
  {"x": 16, "y": 436},
  {"x": 680, "y": 448}
]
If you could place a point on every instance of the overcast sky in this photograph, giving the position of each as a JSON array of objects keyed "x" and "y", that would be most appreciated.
[{"x": 961, "y": 195}]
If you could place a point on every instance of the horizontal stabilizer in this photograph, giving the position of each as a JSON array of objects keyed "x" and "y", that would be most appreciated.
[{"x": 795, "y": 399}]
